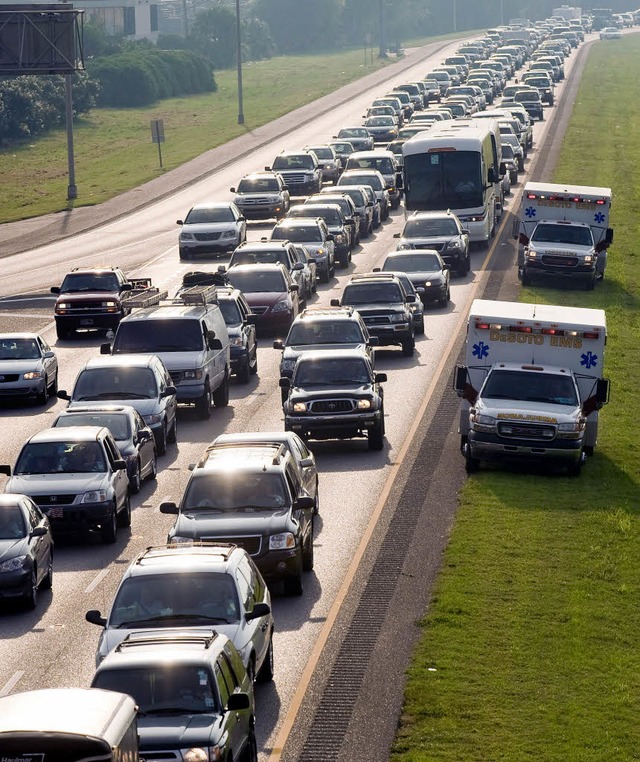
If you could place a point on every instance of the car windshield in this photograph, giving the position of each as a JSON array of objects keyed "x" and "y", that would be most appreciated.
[
  {"x": 507, "y": 151},
  {"x": 381, "y": 121},
  {"x": 297, "y": 233},
  {"x": 299, "y": 161},
  {"x": 19, "y": 349},
  {"x": 330, "y": 371},
  {"x": 12, "y": 525},
  {"x": 342, "y": 148},
  {"x": 412, "y": 263},
  {"x": 260, "y": 281},
  {"x": 330, "y": 216},
  {"x": 156, "y": 336},
  {"x": 429, "y": 227},
  {"x": 161, "y": 599},
  {"x": 64, "y": 457},
  {"x": 237, "y": 491},
  {"x": 209, "y": 214},
  {"x": 163, "y": 688},
  {"x": 230, "y": 311},
  {"x": 77, "y": 282},
  {"x": 118, "y": 383},
  {"x": 530, "y": 387},
  {"x": 372, "y": 293},
  {"x": 356, "y": 195},
  {"x": 325, "y": 332},
  {"x": 384, "y": 164},
  {"x": 258, "y": 185},
  {"x": 259, "y": 256},
  {"x": 578, "y": 235},
  {"x": 117, "y": 423},
  {"x": 364, "y": 179}
]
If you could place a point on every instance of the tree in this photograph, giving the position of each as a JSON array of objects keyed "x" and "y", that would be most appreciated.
[
  {"x": 213, "y": 36},
  {"x": 299, "y": 26}
]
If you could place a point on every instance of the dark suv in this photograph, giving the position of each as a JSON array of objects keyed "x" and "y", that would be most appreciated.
[
  {"x": 192, "y": 692},
  {"x": 301, "y": 172},
  {"x": 384, "y": 306},
  {"x": 250, "y": 495},
  {"x": 335, "y": 395}
]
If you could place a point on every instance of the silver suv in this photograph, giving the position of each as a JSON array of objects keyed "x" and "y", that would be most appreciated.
[
  {"x": 262, "y": 195},
  {"x": 442, "y": 232},
  {"x": 313, "y": 233}
]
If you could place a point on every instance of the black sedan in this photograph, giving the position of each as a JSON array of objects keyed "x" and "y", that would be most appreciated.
[
  {"x": 359, "y": 137},
  {"x": 428, "y": 273},
  {"x": 26, "y": 549},
  {"x": 383, "y": 128}
]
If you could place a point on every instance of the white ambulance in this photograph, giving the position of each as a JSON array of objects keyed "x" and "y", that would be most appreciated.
[
  {"x": 564, "y": 232},
  {"x": 532, "y": 384}
]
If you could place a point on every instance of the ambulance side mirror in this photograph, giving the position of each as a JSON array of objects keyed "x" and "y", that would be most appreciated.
[
  {"x": 609, "y": 236},
  {"x": 515, "y": 229},
  {"x": 523, "y": 239},
  {"x": 602, "y": 391},
  {"x": 460, "y": 379}
]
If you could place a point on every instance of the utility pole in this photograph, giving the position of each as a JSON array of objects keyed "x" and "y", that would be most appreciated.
[
  {"x": 455, "y": 16},
  {"x": 383, "y": 42},
  {"x": 239, "y": 63},
  {"x": 185, "y": 19}
]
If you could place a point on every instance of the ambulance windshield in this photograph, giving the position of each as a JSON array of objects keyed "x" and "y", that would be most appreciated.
[{"x": 572, "y": 234}]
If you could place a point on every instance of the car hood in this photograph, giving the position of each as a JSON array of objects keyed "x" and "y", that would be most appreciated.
[
  {"x": 46, "y": 484},
  {"x": 205, "y": 523},
  {"x": 517, "y": 410},
  {"x": 209, "y": 227},
  {"x": 143, "y": 406},
  {"x": 551, "y": 247},
  {"x": 19, "y": 366},
  {"x": 12, "y": 548},
  {"x": 311, "y": 393},
  {"x": 264, "y": 297},
  {"x": 427, "y": 242},
  {"x": 365, "y": 309},
  {"x": 173, "y": 731},
  {"x": 421, "y": 277},
  {"x": 295, "y": 350},
  {"x": 84, "y": 296}
]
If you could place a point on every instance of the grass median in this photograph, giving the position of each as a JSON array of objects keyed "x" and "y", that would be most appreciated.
[{"x": 530, "y": 647}]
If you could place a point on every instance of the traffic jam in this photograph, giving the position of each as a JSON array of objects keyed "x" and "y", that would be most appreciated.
[{"x": 440, "y": 161}]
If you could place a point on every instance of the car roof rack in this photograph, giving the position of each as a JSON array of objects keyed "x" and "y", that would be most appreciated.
[
  {"x": 199, "y": 295},
  {"x": 156, "y": 638},
  {"x": 145, "y": 297},
  {"x": 225, "y": 549},
  {"x": 103, "y": 267},
  {"x": 280, "y": 450}
]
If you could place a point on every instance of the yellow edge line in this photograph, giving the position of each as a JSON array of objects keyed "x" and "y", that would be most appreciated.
[{"x": 311, "y": 665}]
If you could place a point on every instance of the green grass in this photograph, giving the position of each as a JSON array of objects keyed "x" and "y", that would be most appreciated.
[{"x": 530, "y": 647}]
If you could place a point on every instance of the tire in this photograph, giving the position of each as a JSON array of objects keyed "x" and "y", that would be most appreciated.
[
  {"x": 375, "y": 437},
  {"x": 526, "y": 278},
  {"x": 324, "y": 275},
  {"x": 124, "y": 517},
  {"x": 408, "y": 347},
  {"x": 31, "y": 597},
  {"x": 591, "y": 284},
  {"x": 471, "y": 465},
  {"x": 307, "y": 555},
  {"x": 445, "y": 299},
  {"x": 293, "y": 584},
  {"x": 345, "y": 259},
  {"x": 221, "y": 394},
  {"x": 316, "y": 507},
  {"x": 243, "y": 374},
  {"x": 463, "y": 269},
  {"x": 172, "y": 436},
  {"x": 265, "y": 673},
  {"x": 576, "y": 468},
  {"x": 203, "y": 405},
  {"x": 47, "y": 580},
  {"x": 63, "y": 333},
  {"x": 154, "y": 469},
  {"x": 161, "y": 444},
  {"x": 254, "y": 368},
  {"x": 183, "y": 255},
  {"x": 54, "y": 386},
  {"x": 250, "y": 751},
  {"x": 109, "y": 529},
  {"x": 43, "y": 397},
  {"x": 136, "y": 481},
  {"x": 420, "y": 328}
]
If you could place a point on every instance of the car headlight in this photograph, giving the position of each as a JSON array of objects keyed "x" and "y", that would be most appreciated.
[
  {"x": 184, "y": 236},
  {"x": 403, "y": 246},
  {"x": 587, "y": 260},
  {"x": 339, "y": 238},
  {"x": 198, "y": 754},
  {"x": 193, "y": 375},
  {"x": 481, "y": 422},
  {"x": 282, "y": 541},
  {"x": 288, "y": 364},
  {"x": 151, "y": 419},
  {"x": 299, "y": 407},
  {"x": 281, "y": 306},
  {"x": 364, "y": 404},
  {"x": 573, "y": 426},
  {"x": 230, "y": 234},
  {"x": 236, "y": 341},
  {"x": 453, "y": 245},
  {"x": 32, "y": 375},
  {"x": 95, "y": 496},
  {"x": 319, "y": 252},
  {"x": 531, "y": 254},
  {"x": 398, "y": 318},
  {"x": 13, "y": 564},
  {"x": 63, "y": 306}
]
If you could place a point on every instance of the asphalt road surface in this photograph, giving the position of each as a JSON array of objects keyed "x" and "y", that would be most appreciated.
[{"x": 340, "y": 649}]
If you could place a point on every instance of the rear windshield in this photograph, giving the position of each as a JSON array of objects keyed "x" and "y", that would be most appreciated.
[
  {"x": 119, "y": 383},
  {"x": 155, "y": 336},
  {"x": 117, "y": 423}
]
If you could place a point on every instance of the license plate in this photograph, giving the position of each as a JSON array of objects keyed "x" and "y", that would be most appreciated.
[{"x": 86, "y": 321}]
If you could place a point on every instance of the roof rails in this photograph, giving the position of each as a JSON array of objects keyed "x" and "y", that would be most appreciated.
[
  {"x": 280, "y": 450},
  {"x": 225, "y": 549},
  {"x": 143, "y": 297},
  {"x": 104, "y": 267},
  {"x": 156, "y": 637},
  {"x": 199, "y": 295},
  {"x": 192, "y": 296},
  {"x": 313, "y": 311}
]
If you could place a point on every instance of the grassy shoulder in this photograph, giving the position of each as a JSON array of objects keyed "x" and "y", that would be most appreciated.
[{"x": 529, "y": 650}]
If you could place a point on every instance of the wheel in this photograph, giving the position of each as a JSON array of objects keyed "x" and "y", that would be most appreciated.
[
  {"x": 445, "y": 299},
  {"x": 526, "y": 279},
  {"x": 136, "y": 480},
  {"x": 124, "y": 517},
  {"x": 324, "y": 275},
  {"x": 54, "y": 386},
  {"x": 375, "y": 437},
  {"x": 591, "y": 284},
  {"x": 316, "y": 507},
  {"x": 243, "y": 374},
  {"x": 47, "y": 580},
  {"x": 31, "y": 596},
  {"x": 307, "y": 556},
  {"x": 172, "y": 436},
  {"x": 43, "y": 397},
  {"x": 254, "y": 368},
  {"x": 588, "y": 450},
  {"x": 203, "y": 405},
  {"x": 221, "y": 394},
  {"x": 63, "y": 333},
  {"x": 463, "y": 269},
  {"x": 408, "y": 347},
  {"x": 161, "y": 442},
  {"x": 183, "y": 255},
  {"x": 576, "y": 468},
  {"x": 471, "y": 464},
  {"x": 293, "y": 585},
  {"x": 153, "y": 473},
  {"x": 110, "y": 527},
  {"x": 420, "y": 328},
  {"x": 250, "y": 751},
  {"x": 265, "y": 674},
  {"x": 345, "y": 259}
]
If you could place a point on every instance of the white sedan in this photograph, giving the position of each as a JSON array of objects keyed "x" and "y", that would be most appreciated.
[{"x": 610, "y": 33}]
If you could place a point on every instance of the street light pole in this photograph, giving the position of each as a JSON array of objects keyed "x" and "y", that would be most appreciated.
[
  {"x": 239, "y": 63},
  {"x": 455, "y": 16},
  {"x": 383, "y": 41}
]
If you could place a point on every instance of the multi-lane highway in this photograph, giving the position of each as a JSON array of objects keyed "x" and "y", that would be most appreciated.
[{"x": 54, "y": 646}]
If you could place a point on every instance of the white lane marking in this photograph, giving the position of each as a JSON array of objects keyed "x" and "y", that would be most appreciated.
[
  {"x": 30, "y": 315},
  {"x": 97, "y": 580},
  {"x": 11, "y": 683}
]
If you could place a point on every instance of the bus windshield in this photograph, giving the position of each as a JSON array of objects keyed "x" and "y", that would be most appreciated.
[{"x": 443, "y": 180}]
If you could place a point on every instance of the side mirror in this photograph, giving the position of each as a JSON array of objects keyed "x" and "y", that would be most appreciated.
[
  {"x": 298, "y": 266},
  {"x": 305, "y": 503},
  {"x": 491, "y": 175},
  {"x": 169, "y": 507},
  {"x": 241, "y": 218},
  {"x": 144, "y": 435},
  {"x": 126, "y": 287},
  {"x": 294, "y": 287},
  {"x": 523, "y": 239},
  {"x": 259, "y": 610},
  {"x": 39, "y": 531},
  {"x": 238, "y": 702},
  {"x": 380, "y": 378},
  {"x": 397, "y": 235},
  {"x": 55, "y": 289},
  {"x": 252, "y": 319},
  {"x": 335, "y": 302},
  {"x": 377, "y": 269},
  {"x": 222, "y": 269},
  {"x": 503, "y": 168},
  {"x": 179, "y": 222},
  {"x": 278, "y": 344},
  {"x": 374, "y": 341},
  {"x": 49, "y": 354},
  {"x": 284, "y": 383},
  {"x": 120, "y": 465},
  {"x": 169, "y": 391},
  {"x": 93, "y": 616},
  {"x": 446, "y": 266},
  {"x": 214, "y": 343},
  {"x": 6, "y": 470},
  {"x": 105, "y": 349},
  {"x": 330, "y": 237},
  {"x": 412, "y": 297},
  {"x": 61, "y": 394},
  {"x": 465, "y": 231},
  {"x": 232, "y": 190},
  {"x": 267, "y": 169}
]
